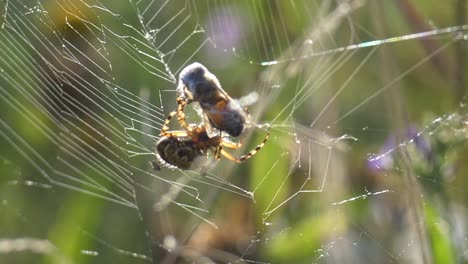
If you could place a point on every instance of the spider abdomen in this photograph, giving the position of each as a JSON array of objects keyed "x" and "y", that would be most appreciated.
[{"x": 177, "y": 152}]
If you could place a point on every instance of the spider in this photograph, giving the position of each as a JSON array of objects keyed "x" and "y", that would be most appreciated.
[
  {"x": 185, "y": 149},
  {"x": 196, "y": 83}
]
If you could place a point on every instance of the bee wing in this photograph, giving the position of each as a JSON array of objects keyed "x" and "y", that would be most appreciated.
[{"x": 249, "y": 99}]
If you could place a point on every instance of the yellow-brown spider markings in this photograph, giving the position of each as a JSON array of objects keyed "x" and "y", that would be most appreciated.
[
  {"x": 183, "y": 148},
  {"x": 196, "y": 83}
]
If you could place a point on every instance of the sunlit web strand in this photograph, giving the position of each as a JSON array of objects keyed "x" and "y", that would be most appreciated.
[
  {"x": 390, "y": 84},
  {"x": 457, "y": 29}
]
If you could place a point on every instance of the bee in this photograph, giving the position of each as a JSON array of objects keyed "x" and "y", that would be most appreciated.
[
  {"x": 187, "y": 149},
  {"x": 196, "y": 83}
]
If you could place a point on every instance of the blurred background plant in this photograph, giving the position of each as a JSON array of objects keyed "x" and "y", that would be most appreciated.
[{"x": 365, "y": 162}]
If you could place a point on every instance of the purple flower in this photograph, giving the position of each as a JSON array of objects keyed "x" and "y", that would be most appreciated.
[
  {"x": 226, "y": 29},
  {"x": 384, "y": 160}
]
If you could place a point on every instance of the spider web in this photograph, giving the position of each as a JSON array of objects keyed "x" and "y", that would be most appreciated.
[{"x": 368, "y": 128}]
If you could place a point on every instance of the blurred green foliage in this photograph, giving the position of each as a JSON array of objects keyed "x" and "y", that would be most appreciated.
[{"x": 414, "y": 83}]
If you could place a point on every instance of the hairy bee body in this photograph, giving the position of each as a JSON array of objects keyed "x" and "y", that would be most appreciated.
[{"x": 196, "y": 83}]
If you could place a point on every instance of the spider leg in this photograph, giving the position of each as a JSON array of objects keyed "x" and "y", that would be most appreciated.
[
  {"x": 181, "y": 115},
  {"x": 254, "y": 151},
  {"x": 165, "y": 127},
  {"x": 231, "y": 145},
  {"x": 176, "y": 133},
  {"x": 219, "y": 150},
  {"x": 230, "y": 157},
  {"x": 247, "y": 156}
]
